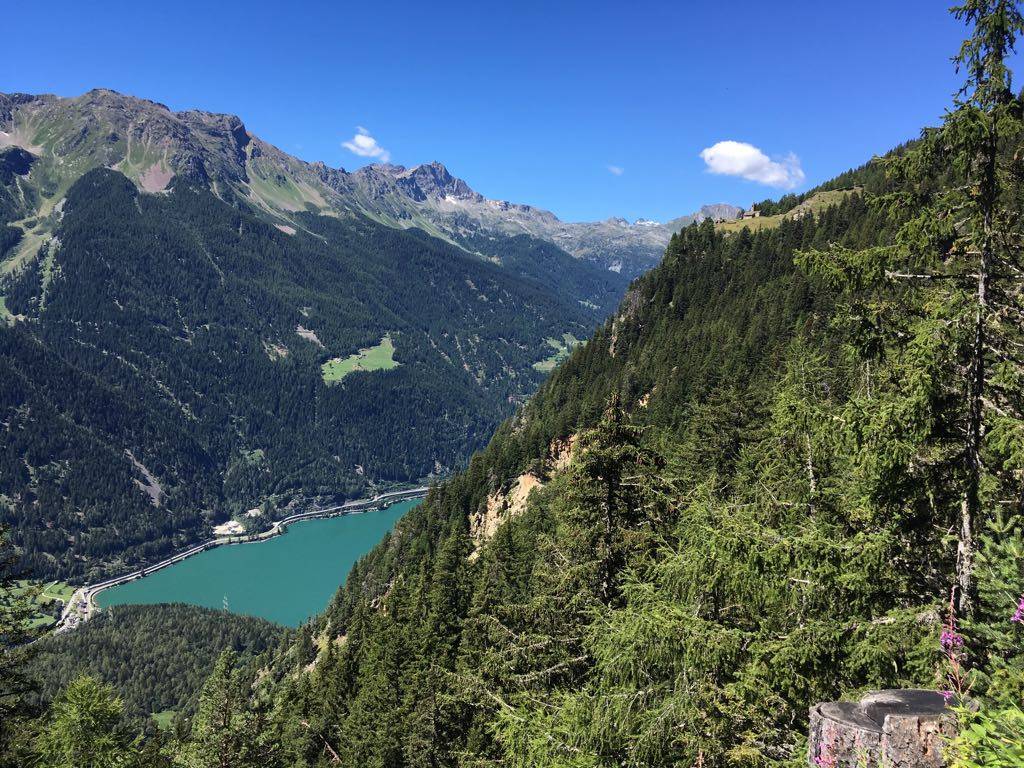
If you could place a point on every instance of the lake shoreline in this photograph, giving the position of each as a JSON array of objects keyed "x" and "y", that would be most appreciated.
[{"x": 83, "y": 605}]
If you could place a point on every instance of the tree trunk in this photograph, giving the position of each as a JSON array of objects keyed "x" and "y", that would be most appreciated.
[
  {"x": 812, "y": 481},
  {"x": 970, "y": 505}
]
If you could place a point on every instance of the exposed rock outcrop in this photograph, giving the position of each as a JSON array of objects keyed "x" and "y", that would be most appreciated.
[
  {"x": 501, "y": 506},
  {"x": 562, "y": 451},
  {"x": 505, "y": 505}
]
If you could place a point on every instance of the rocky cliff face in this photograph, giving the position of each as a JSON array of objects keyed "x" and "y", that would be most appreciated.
[
  {"x": 151, "y": 145},
  {"x": 431, "y": 181}
]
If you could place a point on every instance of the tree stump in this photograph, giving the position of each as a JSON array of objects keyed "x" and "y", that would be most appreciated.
[{"x": 894, "y": 729}]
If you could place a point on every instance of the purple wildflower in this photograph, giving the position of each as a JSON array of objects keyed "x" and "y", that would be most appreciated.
[
  {"x": 950, "y": 640},
  {"x": 1018, "y": 615},
  {"x": 947, "y": 695}
]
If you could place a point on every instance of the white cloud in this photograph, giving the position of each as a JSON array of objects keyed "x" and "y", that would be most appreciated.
[
  {"x": 737, "y": 158},
  {"x": 616, "y": 170},
  {"x": 364, "y": 145}
]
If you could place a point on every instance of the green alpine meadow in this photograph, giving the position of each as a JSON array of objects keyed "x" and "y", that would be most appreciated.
[{"x": 304, "y": 467}]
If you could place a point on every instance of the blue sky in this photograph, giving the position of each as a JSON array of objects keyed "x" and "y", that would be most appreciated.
[{"x": 528, "y": 101}]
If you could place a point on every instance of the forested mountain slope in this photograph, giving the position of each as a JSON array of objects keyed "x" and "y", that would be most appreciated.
[
  {"x": 660, "y": 550},
  {"x": 789, "y": 468},
  {"x": 166, "y": 365},
  {"x": 741, "y": 497},
  {"x": 186, "y": 313},
  {"x": 157, "y": 657}
]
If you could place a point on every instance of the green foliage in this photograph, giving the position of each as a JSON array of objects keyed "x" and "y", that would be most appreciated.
[
  {"x": 47, "y": 600},
  {"x": 562, "y": 349},
  {"x": 769, "y": 445},
  {"x": 226, "y": 732},
  {"x": 83, "y": 729},
  {"x": 684, "y": 588},
  {"x": 998, "y": 664},
  {"x": 768, "y": 450},
  {"x": 155, "y": 657},
  {"x": 380, "y": 357},
  {"x": 937, "y": 310},
  {"x": 544, "y": 264},
  {"x": 988, "y": 739},
  {"x": 784, "y": 204},
  {"x": 16, "y": 611}
]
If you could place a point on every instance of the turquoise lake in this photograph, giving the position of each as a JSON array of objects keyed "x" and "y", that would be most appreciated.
[{"x": 286, "y": 579}]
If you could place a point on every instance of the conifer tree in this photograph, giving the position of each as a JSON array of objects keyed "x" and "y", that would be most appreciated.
[
  {"x": 15, "y": 612},
  {"x": 83, "y": 729},
  {"x": 939, "y": 311},
  {"x": 225, "y": 732}
]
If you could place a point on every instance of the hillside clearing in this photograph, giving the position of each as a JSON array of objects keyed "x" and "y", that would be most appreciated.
[
  {"x": 42, "y": 597},
  {"x": 815, "y": 204},
  {"x": 561, "y": 348},
  {"x": 377, "y": 358}
]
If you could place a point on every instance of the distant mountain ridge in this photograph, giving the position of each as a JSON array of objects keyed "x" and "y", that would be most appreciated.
[{"x": 151, "y": 145}]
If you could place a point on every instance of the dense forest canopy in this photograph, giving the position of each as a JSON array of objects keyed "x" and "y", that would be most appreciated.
[
  {"x": 156, "y": 656},
  {"x": 770, "y": 452}
]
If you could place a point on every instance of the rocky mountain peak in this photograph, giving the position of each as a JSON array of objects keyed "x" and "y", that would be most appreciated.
[
  {"x": 9, "y": 102},
  {"x": 109, "y": 98},
  {"x": 433, "y": 181},
  {"x": 719, "y": 211}
]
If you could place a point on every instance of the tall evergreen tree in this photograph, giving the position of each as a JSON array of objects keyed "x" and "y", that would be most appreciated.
[
  {"x": 940, "y": 309},
  {"x": 226, "y": 733},
  {"x": 84, "y": 729}
]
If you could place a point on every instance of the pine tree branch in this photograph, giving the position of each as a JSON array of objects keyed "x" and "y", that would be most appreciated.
[
  {"x": 328, "y": 747},
  {"x": 891, "y": 275}
]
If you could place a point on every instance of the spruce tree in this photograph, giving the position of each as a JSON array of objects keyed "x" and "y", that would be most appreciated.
[
  {"x": 226, "y": 733},
  {"x": 938, "y": 312}
]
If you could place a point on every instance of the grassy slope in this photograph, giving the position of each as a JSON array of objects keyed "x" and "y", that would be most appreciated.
[
  {"x": 380, "y": 357},
  {"x": 815, "y": 204},
  {"x": 562, "y": 347}
]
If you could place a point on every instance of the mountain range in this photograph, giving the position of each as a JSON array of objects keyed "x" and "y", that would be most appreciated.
[
  {"x": 783, "y": 468},
  {"x": 193, "y": 322},
  {"x": 152, "y": 145}
]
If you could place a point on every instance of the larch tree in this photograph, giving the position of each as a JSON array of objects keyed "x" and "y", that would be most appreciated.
[
  {"x": 225, "y": 731},
  {"x": 84, "y": 729}
]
